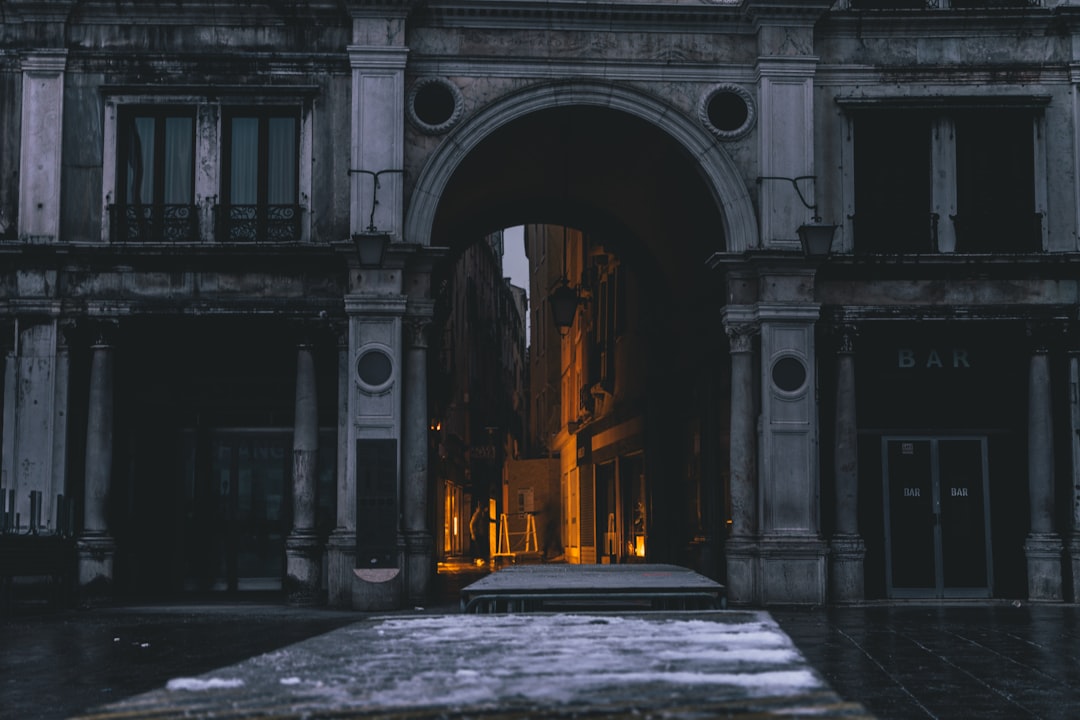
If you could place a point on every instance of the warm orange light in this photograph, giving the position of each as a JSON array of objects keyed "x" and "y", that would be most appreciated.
[{"x": 639, "y": 546}]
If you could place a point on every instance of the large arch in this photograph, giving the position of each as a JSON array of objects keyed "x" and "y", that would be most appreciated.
[{"x": 725, "y": 183}]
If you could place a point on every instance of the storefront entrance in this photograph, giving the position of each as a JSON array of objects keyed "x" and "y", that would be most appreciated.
[
  {"x": 937, "y": 517},
  {"x": 237, "y": 490}
]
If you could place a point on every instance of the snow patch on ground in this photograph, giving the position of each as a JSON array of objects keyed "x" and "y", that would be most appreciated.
[
  {"x": 203, "y": 683},
  {"x": 461, "y": 661}
]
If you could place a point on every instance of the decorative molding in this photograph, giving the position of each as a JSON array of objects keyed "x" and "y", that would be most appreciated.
[
  {"x": 455, "y": 113},
  {"x": 744, "y": 95}
]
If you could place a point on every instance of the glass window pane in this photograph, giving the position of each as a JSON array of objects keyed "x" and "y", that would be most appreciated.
[
  {"x": 179, "y": 160},
  {"x": 281, "y": 170},
  {"x": 244, "y": 161}
]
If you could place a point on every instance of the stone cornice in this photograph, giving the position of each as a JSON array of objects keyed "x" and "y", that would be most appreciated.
[
  {"x": 201, "y": 12},
  {"x": 568, "y": 14},
  {"x": 799, "y": 12},
  {"x": 585, "y": 68}
]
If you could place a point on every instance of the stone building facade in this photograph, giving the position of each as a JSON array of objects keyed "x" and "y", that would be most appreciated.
[{"x": 228, "y": 394}]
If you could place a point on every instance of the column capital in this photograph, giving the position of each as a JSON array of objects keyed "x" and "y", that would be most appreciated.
[
  {"x": 741, "y": 337},
  {"x": 844, "y": 333},
  {"x": 415, "y": 329},
  {"x": 1045, "y": 334},
  {"x": 98, "y": 332}
]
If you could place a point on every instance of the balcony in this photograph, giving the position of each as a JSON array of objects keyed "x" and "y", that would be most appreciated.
[
  {"x": 258, "y": 223},
  {"x": 939, "y": 4},
  {"x": 154, "y": 223}
]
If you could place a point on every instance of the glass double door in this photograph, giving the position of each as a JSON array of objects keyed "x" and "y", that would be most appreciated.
[
  {"x": 240, "y": 510},
  {"x": 937, "y": 517}
]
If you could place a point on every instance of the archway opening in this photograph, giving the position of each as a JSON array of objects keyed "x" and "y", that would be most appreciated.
[{"x": 609, "y": 449}]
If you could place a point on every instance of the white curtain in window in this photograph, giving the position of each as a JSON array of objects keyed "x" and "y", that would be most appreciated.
[
  {"x": 281, "y": 171},
  {"x": 244, "y": 162},
  {"x": 140, "y": 175},
  {"x": 178, "y": 160}
]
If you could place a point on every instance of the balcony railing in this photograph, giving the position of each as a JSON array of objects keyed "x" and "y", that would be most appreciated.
[
  {"x": 939, "y": 4},
  {"x": 258, "y": 223},
  {"x": 154, "y": 223}
]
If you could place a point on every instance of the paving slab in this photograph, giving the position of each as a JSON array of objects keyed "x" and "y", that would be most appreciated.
[
  {"x": 736, "y": 664},
  {"x": 546, "y": 587}
]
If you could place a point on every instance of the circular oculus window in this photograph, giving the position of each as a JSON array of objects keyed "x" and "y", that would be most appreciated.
[
  {"x": 727, "y": 111},
  {"x": 789, "y": 374},
  {"x": 434, "y": 105},
  {"x": 374, "y": 369}
]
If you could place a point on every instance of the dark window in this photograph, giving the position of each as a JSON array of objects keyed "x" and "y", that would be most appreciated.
[
  {"x": 156, "y": 172},
  {"x": 260, "y": 176},
  {"x": 892, "y": 182},
  {"x": 995, "y": 182}
]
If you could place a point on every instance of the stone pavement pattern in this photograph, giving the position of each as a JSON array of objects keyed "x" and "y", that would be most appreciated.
[
  {"x": 990, "y": 661},
  {"x": 672, "y": 665},
  {"x": 901, "y": 662}
]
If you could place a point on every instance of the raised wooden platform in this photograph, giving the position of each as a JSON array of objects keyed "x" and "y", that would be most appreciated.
[{"x": 553, "y": 588}]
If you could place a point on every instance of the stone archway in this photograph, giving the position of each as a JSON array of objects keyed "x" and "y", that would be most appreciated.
[{"x": 716, "y": 166}]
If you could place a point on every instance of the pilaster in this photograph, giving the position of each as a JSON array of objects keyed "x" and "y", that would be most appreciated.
[
  {"x": 785, "y": 86},
  {"x": 41, "y": 145},
  {"x": 375, "y": 387},
  {"x": 34, "y": 449},
  {"x": 378, "y": 131}
]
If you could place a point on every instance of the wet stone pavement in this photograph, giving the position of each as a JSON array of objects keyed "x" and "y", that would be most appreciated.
[
  {"x": 986, "y": 660},
  {"x": 898, "y": 662}
]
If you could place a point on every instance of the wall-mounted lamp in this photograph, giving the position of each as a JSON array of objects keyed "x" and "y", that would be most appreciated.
[
  {"x": 564, "y": 303},
  {"x": 816, "y": 237},
  {"x": 370, "y": 247},
  {"x": 564, "y": 299}
]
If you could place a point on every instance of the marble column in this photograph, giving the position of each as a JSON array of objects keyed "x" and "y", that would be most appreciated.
[
  {"x": 1043, "y": 546},
  {"x": 741, "y": 548},
  {"x": 419, "y": 548},
  {"x": 96, "y": 547},
  {"x": 341, "y": 546},
  {"x": 847, "y": 550},
  {"x": 1074, "y": 434},
  {"x": 303, "y": 556}
]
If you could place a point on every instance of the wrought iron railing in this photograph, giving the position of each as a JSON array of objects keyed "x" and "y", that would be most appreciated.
[
  {"x": 937, "y": 4},
  {"x": 154, "y": 223},
  {"x": 258, "y": 223}
]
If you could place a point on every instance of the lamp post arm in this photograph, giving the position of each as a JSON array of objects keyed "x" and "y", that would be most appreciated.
[{"x": 798, "y": 191}]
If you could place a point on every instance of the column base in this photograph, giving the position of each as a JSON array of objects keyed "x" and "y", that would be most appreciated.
[
  {"x": 96, "y": 557},
  {"x": 847, "y": 582},
  {"x": 340, "y": 561},
  {"x": 419, "y": 567},
  {"x": 793, "y": 570},
  {"x": 1044, "y": 565},
  {"x": 303, "y": 561},
  {"x": 376, "y": 589},
  {"x": 742, "y": 584}
]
